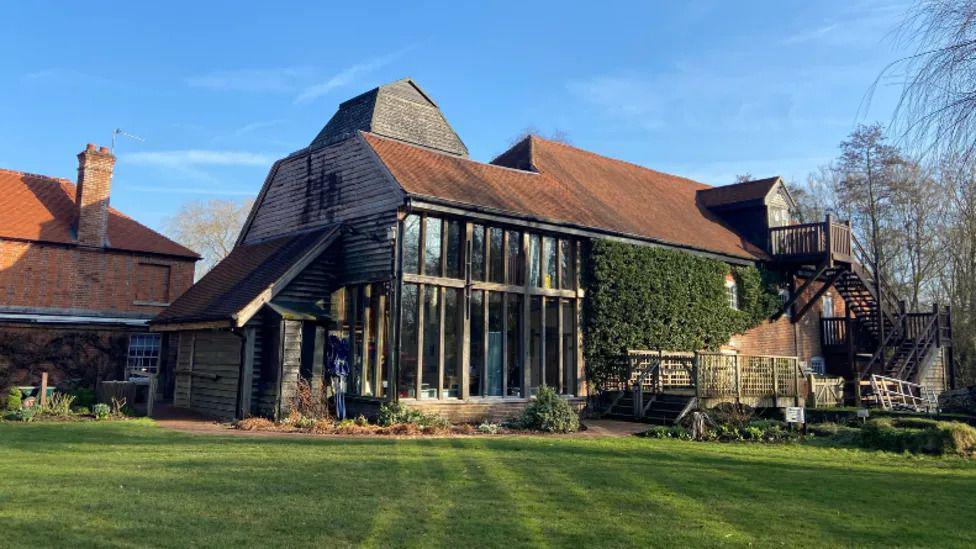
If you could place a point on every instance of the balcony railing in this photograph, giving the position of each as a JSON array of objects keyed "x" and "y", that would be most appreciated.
[{"x": 811, "y": 240}]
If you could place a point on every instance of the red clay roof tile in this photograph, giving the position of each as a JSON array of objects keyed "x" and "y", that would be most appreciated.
[
  {"x": 568, "y": 185},
  {"x": 40, "y": 208}
]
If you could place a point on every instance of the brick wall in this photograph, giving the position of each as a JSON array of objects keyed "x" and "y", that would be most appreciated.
[
  {"x": 47, "y": 276},
  {"x": 785, "y": 338}
]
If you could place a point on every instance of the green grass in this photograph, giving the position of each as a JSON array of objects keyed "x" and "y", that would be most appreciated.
[{"x": 134, "y": 484}]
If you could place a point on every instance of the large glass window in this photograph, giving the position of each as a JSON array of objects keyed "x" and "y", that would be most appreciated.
[
  {"x": 494, "y": 374},
  {"x": 432, "y": 340},
  {"x": 549, "y": 253},
  {"x": 411, "y": 244},
  {"x": 514, "y": 340},
  {"x": 432, "y": 247},
  {"x": 567, "y": 265},
  {"x": 535, "y": 267},
  {"x": 379, "y": 338},
  {"x": 516, "y": 266},
  {"x": 553, "y": 366},
  {"x": 453, "y": 249},
  {"x": 452, "y": 333},
  {"x": 409, "y": 331},
  {"x": 535, "y": 343},
  {"x": 496, "y": 255},
  {"x": 515, "y": 345},
  {"x": 478, "y": 252},
  {"x": 569, "y": 346},
  {"x": 477, "y": 342}
]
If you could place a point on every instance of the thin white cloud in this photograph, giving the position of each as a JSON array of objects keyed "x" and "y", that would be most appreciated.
[
  {"x": 346, "y": 77},
  {"x": 189, "y": 190},
  {"x": 195, "y": 157},
  {"x": 280, "y": 79},
  {"x": 810, "y": 36}
]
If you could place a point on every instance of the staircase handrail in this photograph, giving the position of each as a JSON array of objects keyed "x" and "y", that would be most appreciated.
[
  {"x": 928, "y": 336},
  {"x": 896, "y": 332},
  {"x": 884, "y": 288}
]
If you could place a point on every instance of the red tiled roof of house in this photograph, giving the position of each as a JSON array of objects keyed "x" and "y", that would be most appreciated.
[
  {"x": 568, "y": 185},
  {"x": 42, "y": 209}
]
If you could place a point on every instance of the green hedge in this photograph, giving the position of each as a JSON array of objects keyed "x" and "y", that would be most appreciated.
[{"x": 641, "y": 297}]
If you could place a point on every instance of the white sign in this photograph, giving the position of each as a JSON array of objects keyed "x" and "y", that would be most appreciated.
[
  {"x": 863, "y": 413},
  {"x": 794, "y": 414}
]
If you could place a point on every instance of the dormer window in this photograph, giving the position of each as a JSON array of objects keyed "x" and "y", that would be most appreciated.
[{"x": 732, "y": 292}]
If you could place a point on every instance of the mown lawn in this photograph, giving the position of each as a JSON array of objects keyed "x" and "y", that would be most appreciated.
[{"x": 134, "y": 484}]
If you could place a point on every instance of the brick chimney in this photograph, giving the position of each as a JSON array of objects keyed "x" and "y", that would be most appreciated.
[{"x": 94, "y": 185}]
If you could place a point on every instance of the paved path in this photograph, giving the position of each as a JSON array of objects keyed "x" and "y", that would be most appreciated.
[{"x": 186, "y": 421}]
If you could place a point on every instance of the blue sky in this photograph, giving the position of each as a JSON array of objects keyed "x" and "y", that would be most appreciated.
[{"x": 218, "y": 91}]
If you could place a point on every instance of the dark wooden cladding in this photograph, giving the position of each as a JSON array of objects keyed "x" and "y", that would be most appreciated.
[
  {"x": 208, "y": 369},
  {"x": 360, "y": 189}
]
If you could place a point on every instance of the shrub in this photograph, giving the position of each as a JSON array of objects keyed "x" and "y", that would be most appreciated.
[
  {"x": 83, "y": 411},
  {"x": 733, "y": 415},
  {"x": 914, "y": 422},
  {"x": 306, "y": 422},
  {"x": 101, "y": 411},
  {"x": 488, "y": 428},
  {"x": 59, "y": 405},
  {"x": 396, "y": 413},
  {"x": 14, "y": 399},
  {"x": 361, "y": 420},
  {"x": 255, "y": 424},
  {"x": 25, "y": 414},
  {"x": 934, "y": 438},
  {"x": 549, "y": 413},
  {"x": 307, "y": 403},
  {"x": 663, "y": 431}
]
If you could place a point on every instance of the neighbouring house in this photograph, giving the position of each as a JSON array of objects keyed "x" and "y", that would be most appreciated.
[
  {"x": 458, "y": 285},
  {"x": 79, "y": 280}
]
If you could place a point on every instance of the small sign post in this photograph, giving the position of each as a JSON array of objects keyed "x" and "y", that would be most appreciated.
[
  {"x": 795, "y": 416},
  {"x": 863, "y": 414}
]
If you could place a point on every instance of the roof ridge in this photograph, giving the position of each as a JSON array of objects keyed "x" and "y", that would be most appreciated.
[
  {"x": 445, "y": 153},
  {"x": 37, "y": 175},
  {"x": 612, "y": 159}
]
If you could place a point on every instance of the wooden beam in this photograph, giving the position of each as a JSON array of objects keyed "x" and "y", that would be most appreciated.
[
  {"x": 823, "y": 289},
  {"x": 797, "y": 293}
]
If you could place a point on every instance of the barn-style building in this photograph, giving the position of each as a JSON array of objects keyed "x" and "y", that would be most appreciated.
[{"x": 457, "y": 283}]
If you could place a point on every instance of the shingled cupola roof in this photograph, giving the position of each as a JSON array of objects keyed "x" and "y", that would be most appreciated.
[{"x": 399, "y": 110}]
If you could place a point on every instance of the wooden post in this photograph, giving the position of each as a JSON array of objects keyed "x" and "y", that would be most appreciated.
[
  {"x": 43, "y": 389},
  {"x": 827, "y": 239},
  {"x": 938, "y": 325},
  {"x": 151, "y": 396},
  {"x": 738, "y": 377}
]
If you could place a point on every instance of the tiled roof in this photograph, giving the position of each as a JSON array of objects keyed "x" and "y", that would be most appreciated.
[
  {"x": 240, "y": 278},
  {"x": 737, "y": 193},
  {"x": 39, "y": 208},
  {"x": 568, "y": 185}
]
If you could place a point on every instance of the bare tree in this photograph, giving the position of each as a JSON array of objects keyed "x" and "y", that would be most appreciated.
[
  {"x": 816, "y": 197},
  {"x": 209, "y": 227},
  {"x": 864, "y": 186},
  {"x": 937, "y": 109},
  {"x": 556, "y": 135},
  {"x": 917, "y": 208}
]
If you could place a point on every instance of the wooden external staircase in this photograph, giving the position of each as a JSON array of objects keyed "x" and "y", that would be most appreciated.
[{"x": 878, "y": 336}]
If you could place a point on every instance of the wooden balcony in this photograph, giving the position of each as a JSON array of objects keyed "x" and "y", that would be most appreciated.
[{"x": 811, "y": 242}]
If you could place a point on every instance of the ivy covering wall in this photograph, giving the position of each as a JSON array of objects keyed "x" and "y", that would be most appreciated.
[{"x": 640, "y": 297}]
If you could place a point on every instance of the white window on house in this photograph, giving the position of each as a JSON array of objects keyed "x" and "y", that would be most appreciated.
[
  {"x": 817, "y": 365},
  {"x": 827, "y": 306},
  {"x": 732, "y": 291},
  {"x": 143, "y": 356}
]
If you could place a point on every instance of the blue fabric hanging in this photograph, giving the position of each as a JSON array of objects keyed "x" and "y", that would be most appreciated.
[{"x": 337, "y": 366}]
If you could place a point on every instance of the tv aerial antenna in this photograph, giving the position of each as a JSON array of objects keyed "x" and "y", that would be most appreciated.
[{"x": 119, "y": 131}]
